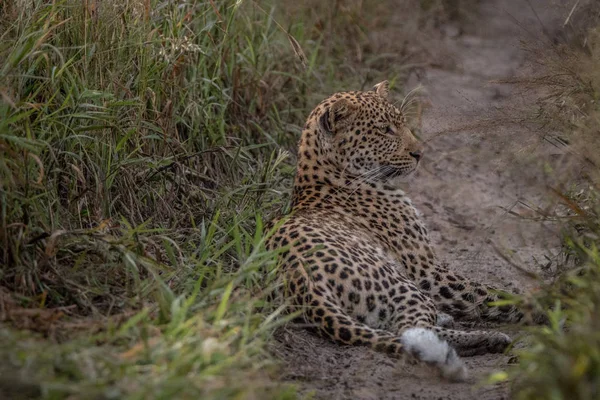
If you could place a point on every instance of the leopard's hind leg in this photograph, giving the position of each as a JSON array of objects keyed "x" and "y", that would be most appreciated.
[
  {"x": 322, "y": 312},
  {"x": 471, "y": 343}
]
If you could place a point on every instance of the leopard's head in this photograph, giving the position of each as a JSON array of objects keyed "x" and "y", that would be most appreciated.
[{"x": 363, "y": 136}]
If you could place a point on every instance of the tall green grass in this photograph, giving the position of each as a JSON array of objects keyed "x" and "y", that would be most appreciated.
[{"x": 140, "y": 149}]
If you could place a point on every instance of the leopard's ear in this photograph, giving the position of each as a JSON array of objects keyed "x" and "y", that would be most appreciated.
[
  {"x": 337, "y": 115},
  {"x": 382, "y": 89}
]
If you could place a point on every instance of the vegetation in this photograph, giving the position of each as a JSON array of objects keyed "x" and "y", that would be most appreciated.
[
  {"x": 143, "y": 146},
  {"x": 562, "y": 360}
]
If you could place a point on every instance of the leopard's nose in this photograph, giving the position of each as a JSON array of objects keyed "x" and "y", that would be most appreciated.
[{"x": 417, "y": 154}]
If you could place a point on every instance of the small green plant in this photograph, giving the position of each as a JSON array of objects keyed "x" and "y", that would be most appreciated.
[{"x": 562, "y": 360}]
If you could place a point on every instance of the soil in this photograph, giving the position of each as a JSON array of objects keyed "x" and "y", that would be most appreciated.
[{"x": 468, "y": 190}]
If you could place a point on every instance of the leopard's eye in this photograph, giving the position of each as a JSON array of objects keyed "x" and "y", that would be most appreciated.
[{"x": 389, "y": 130}]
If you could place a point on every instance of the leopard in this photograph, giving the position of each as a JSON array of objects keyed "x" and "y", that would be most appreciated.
[{"x": 356, "y": 260}]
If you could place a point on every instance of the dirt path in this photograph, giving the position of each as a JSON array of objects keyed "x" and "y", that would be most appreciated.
[{"x": 463, "y": 190}]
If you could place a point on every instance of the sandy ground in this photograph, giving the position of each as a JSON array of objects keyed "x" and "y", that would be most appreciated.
[{"x": 467, "y": 184}]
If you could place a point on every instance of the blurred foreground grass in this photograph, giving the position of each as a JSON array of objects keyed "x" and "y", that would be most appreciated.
[{"x": 562, "y": 360}]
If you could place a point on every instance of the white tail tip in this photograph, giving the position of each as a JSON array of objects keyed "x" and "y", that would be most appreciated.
[{"x": 428, "y": 347}]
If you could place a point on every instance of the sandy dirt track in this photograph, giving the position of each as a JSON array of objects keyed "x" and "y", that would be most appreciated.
[{"x": 464, "y": 190}]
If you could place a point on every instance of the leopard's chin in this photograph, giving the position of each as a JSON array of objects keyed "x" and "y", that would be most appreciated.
[{"x": 400, "y": 178}]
